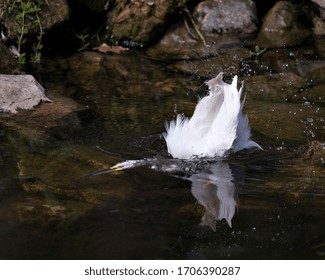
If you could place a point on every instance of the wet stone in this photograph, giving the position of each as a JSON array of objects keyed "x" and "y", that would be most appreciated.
[
  {"x": 275, "y": 87},
  {"x": 130, "y": 74},
  {"x": 281, "y": 27},
  {"x": 314, "y": 95},
  {"x": 286, "y": 124},
  {"x": 314, "y": 153},
  {"x": 286, "y": 60},
  {"x": 313, "y": 70},
  {"x": 228, "y": 61},
  {"x": 49, "y": 122}
]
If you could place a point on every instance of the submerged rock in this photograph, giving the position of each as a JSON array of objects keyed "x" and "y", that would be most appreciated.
[
  {"x": 285, "y": 60},
  {"x": 313, "y": 70},
  {"x": 275, "y": 88},
  {"x": 313, "y": 153},
  {"x": 281, "y": 27},
  {"x": 20, "y": 92},
  {"x": 51, "y": 121},
  {"x": 130, "y": 74},
  {"x": 228, "y": 61}
]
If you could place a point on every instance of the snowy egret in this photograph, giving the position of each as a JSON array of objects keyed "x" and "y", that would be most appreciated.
[{"x": 217, "y": 127}]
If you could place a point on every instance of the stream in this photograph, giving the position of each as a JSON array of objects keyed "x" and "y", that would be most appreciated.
[{"x": 55, "y": 203}]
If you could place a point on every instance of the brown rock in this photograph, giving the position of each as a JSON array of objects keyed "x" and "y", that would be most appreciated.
[
  {"x": 141, "y": 21},
  {"x": 185, "y": 40},
  {"x": 281, "y": 27},
  {"x": 8, "y": 64},
  {"x": 52, "y": 13},
  {"x": 227, "y": 61}
]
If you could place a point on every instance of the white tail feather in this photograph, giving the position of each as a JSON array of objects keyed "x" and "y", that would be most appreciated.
[{"x": 217, "y": 127}]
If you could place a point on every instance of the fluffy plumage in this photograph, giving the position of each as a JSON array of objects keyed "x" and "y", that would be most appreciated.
[{"x": 217, "y": 127}]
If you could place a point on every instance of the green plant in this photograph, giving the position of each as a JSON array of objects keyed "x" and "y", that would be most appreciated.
[
  {"x": 257, "y": 52},
  {"x": 84, "y": 43},
  {"x": 196, "y": 28},
  {"x": 27, "y": 16}
]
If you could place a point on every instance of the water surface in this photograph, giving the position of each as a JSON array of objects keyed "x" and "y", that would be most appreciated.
[{"x": 253, "y": 205}]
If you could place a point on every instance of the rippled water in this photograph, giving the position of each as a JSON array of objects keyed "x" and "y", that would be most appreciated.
[{"x": 253, "y": 205}]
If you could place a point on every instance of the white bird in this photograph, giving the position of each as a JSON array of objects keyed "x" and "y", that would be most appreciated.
[{"x": 217, "y": 127}]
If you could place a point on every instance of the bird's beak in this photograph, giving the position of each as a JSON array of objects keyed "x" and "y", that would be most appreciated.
[{"x": 116, "y": 167}]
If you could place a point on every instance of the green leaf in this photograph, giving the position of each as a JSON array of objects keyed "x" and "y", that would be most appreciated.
[
  {"x": 22, "y": 58},
  {"x": 20, "y": 18}
]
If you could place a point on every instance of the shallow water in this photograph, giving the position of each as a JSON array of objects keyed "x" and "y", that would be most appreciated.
[{"x": 53, "y": 206}]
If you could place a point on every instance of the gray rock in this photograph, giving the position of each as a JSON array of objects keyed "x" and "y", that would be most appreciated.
[
  {"x": 20, "y": 92},
  {"x": 217, "y": 16}
]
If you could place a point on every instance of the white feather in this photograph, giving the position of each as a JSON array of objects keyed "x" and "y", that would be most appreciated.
[{"x": 217, "y": 127}]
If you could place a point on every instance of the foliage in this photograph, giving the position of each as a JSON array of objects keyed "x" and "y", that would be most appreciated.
[
  {"x": 257, "y": 52},
  {"x": 84, "y": 43},
  {"x": 196, "y": 28},
  {"x": 27, "y": 16}
]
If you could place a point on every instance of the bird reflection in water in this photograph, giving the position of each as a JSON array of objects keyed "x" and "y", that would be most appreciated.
[
  {"x": 215, "y": 188},
  {"x": 214, "y": 183}
]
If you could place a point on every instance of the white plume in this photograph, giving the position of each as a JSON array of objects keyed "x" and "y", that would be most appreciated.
[{"x": 217, "y": 127}]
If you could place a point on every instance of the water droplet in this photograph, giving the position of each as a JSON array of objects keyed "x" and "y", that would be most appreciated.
[{"x": 311, "y": 133}]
